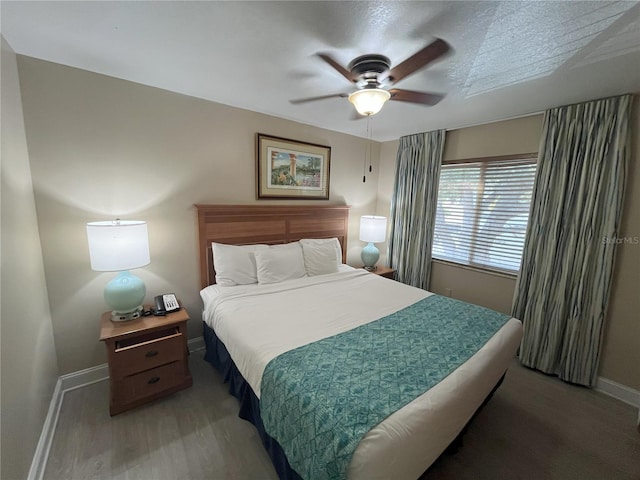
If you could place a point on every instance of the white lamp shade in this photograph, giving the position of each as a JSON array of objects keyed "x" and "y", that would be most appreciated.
[
  {"x": 119, "y": 245},
  {"x": 369, "y": 101},
  {"x": 373, "y": 228}
]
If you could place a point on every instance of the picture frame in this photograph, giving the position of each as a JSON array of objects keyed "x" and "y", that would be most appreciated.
[{"x": 290, "y": 169}]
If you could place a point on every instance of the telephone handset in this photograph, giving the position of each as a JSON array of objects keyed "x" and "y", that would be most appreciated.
[{"x": 166, "y": 303}]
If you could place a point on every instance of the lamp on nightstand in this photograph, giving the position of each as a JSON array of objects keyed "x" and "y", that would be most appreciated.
[
  {"x": 373, "y": 229},
  {"x": 120, "y": 246}
]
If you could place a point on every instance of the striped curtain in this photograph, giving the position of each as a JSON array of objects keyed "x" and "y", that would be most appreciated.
[
  {"x": 413, "y": 206},
  {"x": 564, "y": 282}
]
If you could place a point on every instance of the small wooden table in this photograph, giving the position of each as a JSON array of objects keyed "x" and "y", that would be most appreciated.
[
  {"x": 147, "y": 358},
  {"x": 384, "y": 272}
]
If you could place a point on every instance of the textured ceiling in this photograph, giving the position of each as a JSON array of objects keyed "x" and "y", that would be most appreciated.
[{"x": 508, "y": 58}]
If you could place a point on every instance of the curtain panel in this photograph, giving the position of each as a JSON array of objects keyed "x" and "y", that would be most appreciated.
[
  {"x": 565, "y": 277},
  {"x": 413, "y": 206}
]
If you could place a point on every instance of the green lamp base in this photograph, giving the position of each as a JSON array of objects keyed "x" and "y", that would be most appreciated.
[
  {"x": 370, "y": 255},
  {"x": 124, "y": 294}
]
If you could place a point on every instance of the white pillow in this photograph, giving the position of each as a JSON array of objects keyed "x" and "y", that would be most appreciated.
[
  {"x": 321, "y": 255},
  {"x": 278, "y": 263},
  {"x": 235, "y": 264}
]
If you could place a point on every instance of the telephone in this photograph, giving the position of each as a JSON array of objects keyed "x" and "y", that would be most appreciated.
[{"x": 166, "y": 303}]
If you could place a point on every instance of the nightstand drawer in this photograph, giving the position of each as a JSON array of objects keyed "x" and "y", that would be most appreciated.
[
  {"x": 153, "y": 381},
  {"x": 147, "y": 351}
]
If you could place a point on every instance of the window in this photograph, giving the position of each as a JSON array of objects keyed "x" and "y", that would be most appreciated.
[{"x": 483, "y": 209}]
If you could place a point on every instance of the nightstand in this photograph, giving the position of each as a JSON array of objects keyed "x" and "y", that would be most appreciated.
[
  {"x": 384, "y": 272},
  {"x": 147, "y": 358}
]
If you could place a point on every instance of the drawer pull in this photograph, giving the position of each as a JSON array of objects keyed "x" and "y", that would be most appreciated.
[
  {"x": 153, "y": 380},
  {"x": 151, "y": 353}
]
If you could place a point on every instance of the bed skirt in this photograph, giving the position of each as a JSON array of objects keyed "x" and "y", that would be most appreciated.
[{"x": 218, "y": 355}]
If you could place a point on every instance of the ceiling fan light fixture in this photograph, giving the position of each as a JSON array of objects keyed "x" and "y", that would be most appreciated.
[{"x": 369, "y": 101}]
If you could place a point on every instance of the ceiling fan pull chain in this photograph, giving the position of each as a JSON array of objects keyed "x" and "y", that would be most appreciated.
[
  {"x": 364, "y": 166},
  {"x": 370, "y": 128},
  {"x": 367, "y": 151}
]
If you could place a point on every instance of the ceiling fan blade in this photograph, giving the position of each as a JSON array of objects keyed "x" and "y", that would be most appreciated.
[
  {"x": 415, "y": 97},
  {"x": 321, "y": 97},
  {"x": 339, "y": 68},
  {"x": 418, "y": 60}
]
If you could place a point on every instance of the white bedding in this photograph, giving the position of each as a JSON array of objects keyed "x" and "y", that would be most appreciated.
[{"x": 258, "y": 322}]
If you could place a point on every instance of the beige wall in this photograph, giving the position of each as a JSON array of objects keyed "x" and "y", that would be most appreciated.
[
  {"x": 28, "y": 359},
  {"x": 620, "y": 359},
  {"x": 509, "y": 137},
  {"x": 102, "y": 148}
]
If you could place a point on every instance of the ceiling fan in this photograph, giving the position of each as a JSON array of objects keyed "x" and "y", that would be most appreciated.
[{"x": 373, "y": 76}]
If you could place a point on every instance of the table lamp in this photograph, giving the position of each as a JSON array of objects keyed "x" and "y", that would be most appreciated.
[
  {"x": 373, "y": 229},
  {"x": 120, "y": 246}
]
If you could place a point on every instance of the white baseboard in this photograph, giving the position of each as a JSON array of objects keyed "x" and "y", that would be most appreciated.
[
  {"x": 41, "y": 454},
  {"x": 619, "y": 391},
  {"x": 85, "y": 377},
  {"x": 66, "y": 383},
  {"x": 196, "y": 344}
]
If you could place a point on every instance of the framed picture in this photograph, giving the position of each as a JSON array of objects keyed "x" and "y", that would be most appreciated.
[{"x": 289, "y": 169}]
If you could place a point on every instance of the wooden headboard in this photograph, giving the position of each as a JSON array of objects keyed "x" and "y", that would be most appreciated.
[{"x": 270, "y": 224}]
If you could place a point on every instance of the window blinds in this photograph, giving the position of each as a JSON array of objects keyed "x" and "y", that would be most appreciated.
[{"x": 482, "y": 213}]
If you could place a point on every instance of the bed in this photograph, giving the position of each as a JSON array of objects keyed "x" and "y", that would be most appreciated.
[{"x": 265, "y": 336}]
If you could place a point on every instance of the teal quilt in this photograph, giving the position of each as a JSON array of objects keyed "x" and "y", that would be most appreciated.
[{"x": 318, "y": 400}]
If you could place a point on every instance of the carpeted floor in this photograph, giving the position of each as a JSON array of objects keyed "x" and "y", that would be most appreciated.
[{"x": 534, "y": 428}]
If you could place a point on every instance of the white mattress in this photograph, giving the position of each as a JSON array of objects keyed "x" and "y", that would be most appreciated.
[{"x": 258, "y": 322}]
